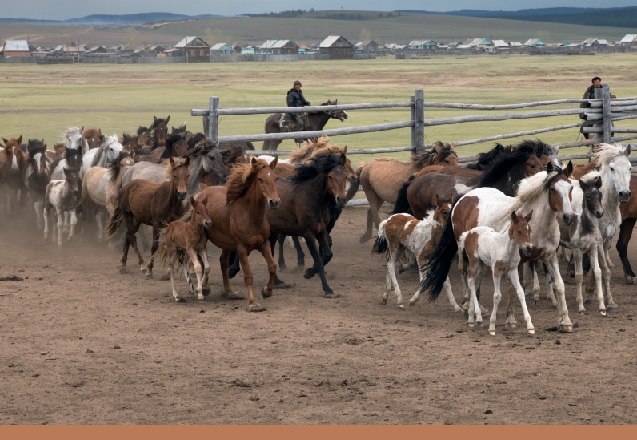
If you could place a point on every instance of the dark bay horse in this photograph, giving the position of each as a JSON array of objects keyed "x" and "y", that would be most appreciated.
[
  {"x": 155, "y": 204},
  {"x": 310, "y": 200},
  {"x": 316, "y": 122},
  {"x": 629, "y": 217},
  {"x": 238, "y": 212}
]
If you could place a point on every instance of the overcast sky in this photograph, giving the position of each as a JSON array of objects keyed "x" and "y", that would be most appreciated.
[{"x": 65, "y": 9}]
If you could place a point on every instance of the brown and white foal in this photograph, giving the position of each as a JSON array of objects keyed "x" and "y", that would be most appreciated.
[
  {"x": 63, "y": 196},
  {"x": 402, "y": 232}
]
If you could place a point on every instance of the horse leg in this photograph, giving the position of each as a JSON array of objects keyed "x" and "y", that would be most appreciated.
[
  {"x": 73, "y": 222},
  {"x": 61, "y": 218},
  {"x": 172, "y": 259},
  {"x": 248, "y": 279},
  {"x": 194, "y": 259},
  {"x": 310, "y": 241},
  {"x": 300, "y": 256},
  {"x": 497, "y": 296},
  {"x": 153, "y": 249},
  {"x": 564, "y": 322},
  {"x": 224, "y": 261},
  {"x": 203, "y": 256},
  {"x": 37, "y": 206},
  {"x": 474, "y": 308},
  {"x": 394, "y": 254},
  {"x": 281, "y": 260},
  {"x": 265, "y": 250},
  {"x": 373, "y": 219},
  {"x": 514, "y": 278},
  {"x": 278, "y": 282},
  {"x": 625, "y": 232},
  {"x": 599, "y": 274},
  {"x": 579, "y": 278}
]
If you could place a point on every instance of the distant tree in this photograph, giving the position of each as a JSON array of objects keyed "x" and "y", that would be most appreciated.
[
  {"x": 133, "y": 37},
  {"x": 365, "y": 35}
]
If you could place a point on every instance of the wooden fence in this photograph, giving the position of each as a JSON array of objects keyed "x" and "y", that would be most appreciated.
[{"x": 596, "y": 121}]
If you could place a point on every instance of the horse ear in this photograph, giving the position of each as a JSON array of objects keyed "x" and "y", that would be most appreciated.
[
  {"x": 253, "y": 160},
  {"x": 192, "y": 201},
  {"x": 345, "y": 149},
  {"x": 452, "y": 146},
  {"x": 598, "y": 182},
  {"x": 627, "y": 151},
  {"x": 20, "y": 139},
  {"x": 172, "y": 161},
  {"x": 514, "y": 218},
  {"x": 274, "y": 162},
  {"x": 187, "y": 160},
  {"x": 549, "y": 167},
  {"x": 167, "y": 119},
  {"x": 202, "y": 186},
  {"x": 528, "y": 216},
  {"x": 437, "y": 199},
  {"x": 569, "y": 168}
]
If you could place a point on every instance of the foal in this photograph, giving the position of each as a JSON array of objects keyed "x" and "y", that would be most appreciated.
[
  {"x": 187, "y": 240},
  {"x": 402, "y": 231},
  {"x": 501, "y": 252},
  {"x": 63, "y": 196}
]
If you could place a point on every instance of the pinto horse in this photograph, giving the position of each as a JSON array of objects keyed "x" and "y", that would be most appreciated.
[
  {"x": 316, "y": 122},
  {"x": 382, "y": 178},
  {"x": 238, "y": 212},
  {"x": 402, "y": 232},
  {"x": 500, "y": 250},
  {"x": 155, "y": 204},
  {"x": 417, "y": 194},
  {"x": 547, "y": 194}
]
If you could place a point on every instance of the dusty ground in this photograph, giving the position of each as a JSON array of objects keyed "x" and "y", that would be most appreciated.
[{"x": 83, "y": 344}]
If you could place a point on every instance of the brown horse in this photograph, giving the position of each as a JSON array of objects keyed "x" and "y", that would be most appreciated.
[
  {"x": 93, "y": 137},
  {"x": 629, "y": 217},
  {"x": 238, "y": 212},
  {"x": 159, "y": 131},
  {"x": 13, "y": 165},
  {"x": 186, "y": 240},
  {"x": 316, "y": 122},
  {"x": 143, "y": 202},
  {"x": 382, "y": 179}
]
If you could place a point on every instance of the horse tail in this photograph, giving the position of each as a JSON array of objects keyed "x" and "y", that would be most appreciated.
[
  {"x": 380, "y": 245},
  {"x": 355, "y": 185},
  {"x": 402, "y": 204},
  {"x": 114, "y": 222},
  {"x": 438, "y": 264}
]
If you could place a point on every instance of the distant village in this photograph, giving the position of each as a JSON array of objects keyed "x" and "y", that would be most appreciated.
[{"x": 196, "y": 50}]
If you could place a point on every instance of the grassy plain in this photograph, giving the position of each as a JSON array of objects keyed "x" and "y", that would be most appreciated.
[{"x": 39, "y": 101}]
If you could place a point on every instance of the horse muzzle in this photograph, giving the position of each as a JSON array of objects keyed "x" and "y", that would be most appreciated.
[
  {"x": 527, "y": 249},
  {"x": 181, "y": 195},
  {"x": 568, "y": 219},
  {"x": 207, "y": 224},
  {"x": 599, "y": 213},
  {"x": 274, "y": 204},
  {"x": 624, "y": 196}
]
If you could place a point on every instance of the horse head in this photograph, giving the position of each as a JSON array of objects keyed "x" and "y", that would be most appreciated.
[
  {"x": 560, "y": 188},
  {"x": 266, "y": 179},
  {"x": 199, "y": 212},
  {"x": 615, "y": 169},
  {"x": 93, "y": 137},
  {"x": 341, "y": 115},
  {"x": 443, "y": 209},
  {"x": 591, "y": 185},
  {"x": 160, "y": 131},
  {"x": 179, "y": 175},
  {"x": 73, "y": 180},
  {"x": 520, "y": 231}
]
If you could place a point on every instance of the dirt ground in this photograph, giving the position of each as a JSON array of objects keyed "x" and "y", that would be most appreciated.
[{"x": 83, "y": 344}]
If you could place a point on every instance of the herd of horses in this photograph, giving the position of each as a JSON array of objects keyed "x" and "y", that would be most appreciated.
[{"x": 516, "y": 207}]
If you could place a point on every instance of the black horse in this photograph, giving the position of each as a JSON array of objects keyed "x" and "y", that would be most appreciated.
[{"x": 316, "y": 122}]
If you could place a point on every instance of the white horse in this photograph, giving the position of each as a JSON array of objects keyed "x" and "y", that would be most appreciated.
[
  {"x": 108, "y": 151},
  {"x": 73, "y": 155}
]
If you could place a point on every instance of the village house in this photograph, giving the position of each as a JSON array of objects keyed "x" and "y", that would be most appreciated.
[
  {"x": 337, "y": 47},
  {"x": 15, "y": 48},
  {"x": 279, "y": 47},
  {"x": 194, "y": 49},
  {"x": 221, "y": 49}
]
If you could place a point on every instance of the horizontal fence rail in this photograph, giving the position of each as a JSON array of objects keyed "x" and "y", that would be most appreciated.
[{"x": 596, "y": 115}]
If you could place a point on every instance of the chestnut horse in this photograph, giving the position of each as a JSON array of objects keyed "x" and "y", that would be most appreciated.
[
  {"x": 382, "y": 178},
  {"x": 547, "y": 194},
  {"x": 239, "y": 213},
  {"x": 156, "y": 204},
  {"x": 316, "y": 122}
]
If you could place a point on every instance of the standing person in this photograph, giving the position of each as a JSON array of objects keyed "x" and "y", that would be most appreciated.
[
  {"x": 295, "y": 98},
  {"x": 596, "y": 83}
]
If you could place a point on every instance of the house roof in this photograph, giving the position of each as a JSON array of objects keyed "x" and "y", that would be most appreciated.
[
  {"x": 16, "y": 45},
  {"x": 220, "y": 46},
  {"x": 274, "y": 44},
  {"x": 332, "y": 39},
  {"x": 188, "y": 40},
  {"x": 629, "y": 38}
]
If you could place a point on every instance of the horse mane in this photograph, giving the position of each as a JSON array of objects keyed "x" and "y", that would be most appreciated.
[
  {"x": 35, "y": 146},
  {"x": 606, "y": 153},
  {"x": 533, "y": 186},
  {"x": 241, "y": 177},
  {"x": 196, "y": 139},
  {"x": 537, "y": 147},
  {"x": 502, "y": 165},
  {"x": 100, "y": 150},
  {"x": 309, "y": 148},
  {"x": 141, "y": 130},
  {"x": 486, "y": 159},
  {"x": 435, "y": 155},
  {"x": 590, "y": 176},
  {"x": 114, "y": 166},
  {"x": 70, "y": 131},
  {"x": 322, "y": 163}
]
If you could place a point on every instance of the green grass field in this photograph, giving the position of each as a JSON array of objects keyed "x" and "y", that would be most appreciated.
[{"x": 39, "y": 101}]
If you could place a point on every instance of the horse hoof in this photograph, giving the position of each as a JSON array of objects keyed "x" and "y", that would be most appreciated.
[
  {"x": 563, "y": 328},
  {"x": 611, "y": 309},
  {"x": 631, "y": 280},
  {"x": 309, "y": 273},
  {"x": 583, "y": 312},
  {"x": 233, "y": 272},
  {"x": 122, "y": 269},
  {"x": 528, "y": 297},
  {"x": 282, "y": 285},
  {"x": 180, "y": 299},
  {"x": 233, "y": 296},
  {"x": 255, "y": 308},
  {"x": 265, "y": 292},
  {"x": 530, "y": 331},
  {"x": 205, "y": 292},
  {"x": 492, "y": 332},
  {"x": 470, "y": 324},
  {"x": 364, "y": 239},
  {"x": 331, "y": 295},
  {"x": 401, "y": 306},
  {"x": 383, "y": 302},
  {"x": 602, "y": 312},
  {"x": 148, "y": 276}
]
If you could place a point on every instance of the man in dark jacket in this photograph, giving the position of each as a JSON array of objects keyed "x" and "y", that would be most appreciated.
[{"x": 295, "y": 98}]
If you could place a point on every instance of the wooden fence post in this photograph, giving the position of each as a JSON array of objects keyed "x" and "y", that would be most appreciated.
[
  {"x": 418, "y": 117},
  {"x": 212, "y": 128},
  {"x": 607, "y": 123}
]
